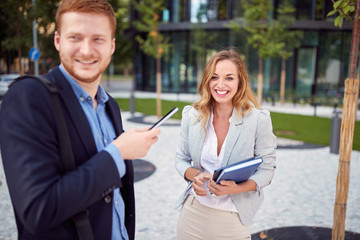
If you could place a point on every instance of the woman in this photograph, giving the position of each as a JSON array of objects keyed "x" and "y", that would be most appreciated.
[{"x": 222, "y": 128}]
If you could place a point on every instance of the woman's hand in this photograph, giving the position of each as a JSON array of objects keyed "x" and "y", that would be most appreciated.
[
  {"x": 224, "y": 188},
  {"x": 198, "y": 182},
  {"x": 230, "y": 187}
]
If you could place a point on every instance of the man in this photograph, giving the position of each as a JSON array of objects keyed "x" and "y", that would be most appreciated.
[{"x": 43, "y": 195}]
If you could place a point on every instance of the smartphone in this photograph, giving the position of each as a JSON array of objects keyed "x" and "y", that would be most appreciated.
[{"x": 164, "y": 118}]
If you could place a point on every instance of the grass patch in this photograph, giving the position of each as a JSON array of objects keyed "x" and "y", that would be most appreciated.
[
  {"x": 309, "y": 129},
  {"x": 147, "y": 106}
]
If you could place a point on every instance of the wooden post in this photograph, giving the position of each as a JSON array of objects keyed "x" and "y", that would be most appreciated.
[
  {"x": 158, "y": 87},
  {"x": 346, "y": 142},
  {"x": 158, "y": 75},
  {"x": 282, "y": 81},
  {"x": 347, "y": 133}
]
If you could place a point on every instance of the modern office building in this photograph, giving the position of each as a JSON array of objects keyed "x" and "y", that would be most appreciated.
[{"x": 317, "y": 68}]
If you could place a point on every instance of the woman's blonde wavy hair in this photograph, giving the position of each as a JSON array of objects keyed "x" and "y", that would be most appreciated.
[{"x": 243, "y": 100}]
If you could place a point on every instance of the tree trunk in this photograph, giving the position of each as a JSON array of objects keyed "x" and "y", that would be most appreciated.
[
  {"x": 260, "y": 81},
  {"x": 282, "y": 81},
  {"x": 21, "y": 72},
  {"x": 158, "y": 87},
  {"x": 354, "y": 43},
  {"x": 8, "y": 61},
  {"x": 347, "y": 134},
  {"x": 346, "y": 142}
]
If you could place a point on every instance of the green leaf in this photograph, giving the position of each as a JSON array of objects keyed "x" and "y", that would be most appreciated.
[
  {"x": 337, "y": 4},
  {"x": 332, "y": 12},
  {"x": 347, "y": 9},
  {"x": 339, "y": 21}
]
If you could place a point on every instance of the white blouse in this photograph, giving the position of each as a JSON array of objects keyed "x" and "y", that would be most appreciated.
[{"x": 211, "y": 161}]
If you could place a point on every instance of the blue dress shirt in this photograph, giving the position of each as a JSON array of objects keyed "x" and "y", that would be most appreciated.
[{"x": 104, "y": 133}]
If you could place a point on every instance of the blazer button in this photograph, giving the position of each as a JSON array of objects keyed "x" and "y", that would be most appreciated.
[{"x": 107, "y": 199}]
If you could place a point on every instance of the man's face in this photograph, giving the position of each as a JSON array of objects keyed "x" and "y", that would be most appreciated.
[{"x": 85, "y": 45}]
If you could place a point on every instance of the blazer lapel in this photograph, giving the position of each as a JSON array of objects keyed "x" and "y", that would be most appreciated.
[{"x": 232, "y": 137}]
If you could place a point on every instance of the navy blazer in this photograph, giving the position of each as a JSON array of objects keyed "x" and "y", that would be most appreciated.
[{"x": 44, "y": 197}]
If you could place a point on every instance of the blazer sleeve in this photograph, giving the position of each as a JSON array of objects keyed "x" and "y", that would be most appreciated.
[
  {"x": 265, "y": 146},
  {"x": 42, "y": 195},
  {"x": 182, "y": 157}
]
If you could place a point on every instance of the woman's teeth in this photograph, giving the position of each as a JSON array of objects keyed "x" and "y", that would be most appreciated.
[{"x": 221, "y": 92}]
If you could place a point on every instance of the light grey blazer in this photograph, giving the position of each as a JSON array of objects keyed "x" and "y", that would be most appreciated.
[{"x": 249, "y": 136}]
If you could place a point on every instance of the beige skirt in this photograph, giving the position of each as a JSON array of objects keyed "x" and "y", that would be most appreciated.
[{"x": 197, "y": 221}]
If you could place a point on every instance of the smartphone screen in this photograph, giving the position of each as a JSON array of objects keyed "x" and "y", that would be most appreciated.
[{"x": 164, "y": 118}]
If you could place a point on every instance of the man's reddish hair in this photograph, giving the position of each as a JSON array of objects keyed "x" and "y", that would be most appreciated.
[{"x": 86, "y": 6}]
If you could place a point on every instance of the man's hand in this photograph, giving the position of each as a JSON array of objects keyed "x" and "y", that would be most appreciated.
[{"x": 135, "y": 143}]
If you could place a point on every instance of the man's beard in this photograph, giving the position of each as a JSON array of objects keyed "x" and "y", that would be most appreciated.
[{"x": 70, "y": 69}]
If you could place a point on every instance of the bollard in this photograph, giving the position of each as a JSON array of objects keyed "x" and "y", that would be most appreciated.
[
  {"x": 335, "y": 133},
  {"x": 132, "y": 98}
]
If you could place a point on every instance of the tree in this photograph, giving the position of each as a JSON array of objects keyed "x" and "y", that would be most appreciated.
[
  {"x": 350, "y": 10},
  {"x": 272, "y": 38},
  {"x": 155, "y": 44},
  {"x": 44, "y": 14},
  {"x": 200, "y": 42},
  {"x": 18, "y": 33},
  {"x": 284, "y": 40},
  {"x": 16, "y": 30},
  {"x": 255, "y": 24},
  {"x": 124, "y": 53},
  {"x": 17, "y": 36}
]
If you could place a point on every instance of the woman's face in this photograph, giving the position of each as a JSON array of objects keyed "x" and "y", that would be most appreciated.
[{"x": 224, "y": 82}]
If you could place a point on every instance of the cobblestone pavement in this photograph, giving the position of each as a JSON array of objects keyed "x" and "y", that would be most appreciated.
[{"x": 302, "y": 192}]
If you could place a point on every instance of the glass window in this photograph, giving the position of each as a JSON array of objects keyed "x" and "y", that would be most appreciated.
[
  {"x": 274, "y": 76},
  {"x": 198, "y": 11},
  {"x": 176, "y": 65},
  {"x": 345, "y": 56},
  {"x": 178, "y": 10},
  {"x": 222, "y": 9},
  {"x": 145, "y": 66},
  {"x": 305, "y": 71},
  {"x": 217, "y": 10},
  {"x": 310, "y": 38},
  {"x": 329, "y": 63},
  {"x": 319, "y": 9},
  {"x": 166, "y": 15},
  {"x": 305, "y": 9},
  {"x": 237, "y": 10},
  {"x": 212, "y": 10}
]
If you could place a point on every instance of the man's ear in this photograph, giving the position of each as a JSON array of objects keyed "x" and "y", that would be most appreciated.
[
  {"x": 57, "y": 40},
  {"x": 112, "y": 46}
]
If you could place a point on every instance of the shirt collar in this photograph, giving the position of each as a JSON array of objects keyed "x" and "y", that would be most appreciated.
[{"x": 80, "y": 93}]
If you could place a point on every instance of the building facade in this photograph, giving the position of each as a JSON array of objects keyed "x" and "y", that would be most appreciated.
[{"x": 199, "y": 28}]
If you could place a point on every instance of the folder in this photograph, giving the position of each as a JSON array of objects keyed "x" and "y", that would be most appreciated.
[{"x": 238, "y": 172}]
